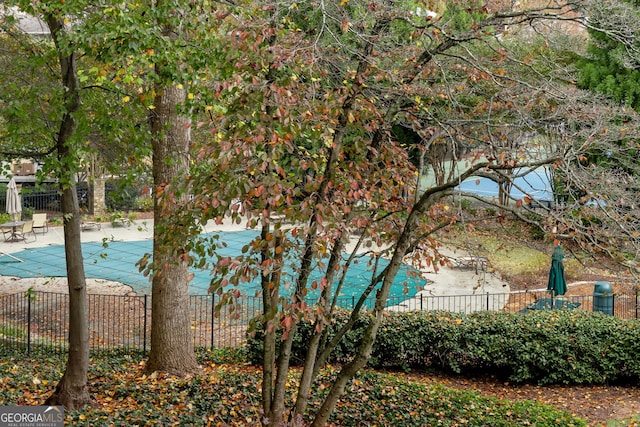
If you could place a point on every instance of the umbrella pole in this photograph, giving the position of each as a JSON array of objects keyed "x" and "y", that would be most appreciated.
[{"x": 10, "y": 256}]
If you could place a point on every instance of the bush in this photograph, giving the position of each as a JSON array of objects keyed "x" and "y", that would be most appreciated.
[
  {"x": 343, "y": 351},
  {"x": 545, "y": 347},
  {"x": 144, "y": 203},
  {"x": 121, "y": 196}
]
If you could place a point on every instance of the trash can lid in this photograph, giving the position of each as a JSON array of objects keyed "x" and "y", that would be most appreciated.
[{"x": 602, "y": 287}]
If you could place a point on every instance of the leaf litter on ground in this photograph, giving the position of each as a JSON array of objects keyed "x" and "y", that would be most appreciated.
[{"x": 229, "y": 394}]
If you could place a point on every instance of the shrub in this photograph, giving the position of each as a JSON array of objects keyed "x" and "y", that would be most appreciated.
[
  {"x": 144, "y": 203},
  {"x": 121, "y": 196},
  {"x": 544, "y": 347}
]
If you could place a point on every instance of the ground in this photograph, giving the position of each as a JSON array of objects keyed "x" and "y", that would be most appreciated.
[{"x": 597, "y": 404}]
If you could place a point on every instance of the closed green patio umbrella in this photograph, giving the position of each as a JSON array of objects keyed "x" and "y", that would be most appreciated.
[{"x": 557, "y": 282}]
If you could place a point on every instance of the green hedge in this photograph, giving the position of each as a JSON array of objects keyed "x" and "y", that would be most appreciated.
[{"x": 545, "y": 347}]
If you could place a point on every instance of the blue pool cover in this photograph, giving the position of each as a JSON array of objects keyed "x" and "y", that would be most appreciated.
[{"x": 117, "y": 261}]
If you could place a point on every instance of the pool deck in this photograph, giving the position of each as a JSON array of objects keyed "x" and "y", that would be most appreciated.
[
  {"x": 467, "y": 277},
  {"x": 139, "y": 230}
]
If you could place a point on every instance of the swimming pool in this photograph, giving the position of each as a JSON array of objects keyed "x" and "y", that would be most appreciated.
[{"x": 117, "y": 261}]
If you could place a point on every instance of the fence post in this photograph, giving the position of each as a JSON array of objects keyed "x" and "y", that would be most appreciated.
[
  {"x": 28, "y": 324},
  {"x": 421, "y": 307},
  {"x": 144, "y": 327},
  {"x": 213, "y": 318},
  {"x": 636, "y": 289},
  {"x": 487, "y": 300},
  {"x": 613, "y": 305}
]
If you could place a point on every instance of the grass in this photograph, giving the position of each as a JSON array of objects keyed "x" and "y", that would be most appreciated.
[
  {"x": 509, "y": 250},
  {"x": 633, "y": 421},
  {"x": 227, "y": 393}
]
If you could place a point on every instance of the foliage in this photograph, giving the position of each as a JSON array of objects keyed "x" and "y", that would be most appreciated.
[
  {"x": 119, "y": 218},
  {"x": 28, "y": 212},
  {"x": 300, "y": 145},
  {"x": 630, "y": 421},
  {"x": 342, "y": 353},
  {"x": 144, "y": 204},
  {"x": 225, "y": 394},
  {"x": 609, "y": 66},
  {"x": 545, "y": 347},
  {"x": 534, "y": 232},
  {"x": 298, "y": 103},
  {"x": 12, "y": 331},
  {"x": 121, "y": 196}
]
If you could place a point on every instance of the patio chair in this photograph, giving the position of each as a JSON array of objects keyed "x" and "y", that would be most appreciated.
[
  {"x": 7, "y": 232},
  {"x": 40, "y": 222},
  {"x": 27, "y": 228}
]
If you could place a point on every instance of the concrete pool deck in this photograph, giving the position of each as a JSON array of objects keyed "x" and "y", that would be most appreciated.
[{"x": 481, "y": 287}]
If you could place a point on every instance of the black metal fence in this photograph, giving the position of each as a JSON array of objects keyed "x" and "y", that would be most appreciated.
[
  {"x": 124, "y": 321},
  {"x": 45, "y": 200},
  {"x": 48, "y": 199}
]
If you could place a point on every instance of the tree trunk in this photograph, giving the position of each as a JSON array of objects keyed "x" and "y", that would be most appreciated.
[
  {"x": 311, "y": 360},
  {"x": 369, "y": 336},
  {"x": 71, "y": 391},
  {"x": 270, "y": 293},
  {"x": 171, "y": 342}
]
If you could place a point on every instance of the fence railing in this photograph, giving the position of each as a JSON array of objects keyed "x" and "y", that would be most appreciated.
[{"x": 124, "y": 321}]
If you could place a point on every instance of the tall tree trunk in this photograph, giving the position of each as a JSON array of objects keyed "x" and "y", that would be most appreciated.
[
  {"x": 171, "y": 342},
  {"x": 369, "y": 336},
  {"x": 311, "y": 359},
  {"x": 270, "y": 296},
  {"x": 71, "y": 391}
]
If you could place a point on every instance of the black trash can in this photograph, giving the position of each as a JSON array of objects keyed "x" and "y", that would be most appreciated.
[{"x": 603, "y": 298}]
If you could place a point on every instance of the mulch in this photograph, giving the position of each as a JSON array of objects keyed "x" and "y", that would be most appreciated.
[{"x": 596, "y": 403}]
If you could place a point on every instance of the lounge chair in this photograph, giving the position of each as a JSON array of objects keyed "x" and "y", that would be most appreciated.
[{"x": 40, "y": 222}]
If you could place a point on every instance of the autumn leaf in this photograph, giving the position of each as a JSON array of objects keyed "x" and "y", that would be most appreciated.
[{"x": 345, "y": 25}]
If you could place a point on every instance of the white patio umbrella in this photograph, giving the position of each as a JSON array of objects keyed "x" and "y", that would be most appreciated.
[{"x": 14, "y": 205}]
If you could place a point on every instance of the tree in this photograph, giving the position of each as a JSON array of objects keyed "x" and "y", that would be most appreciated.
[
  {"x": 171, "y": 343},
  {"x": 610, "y": 65},
  {"x": 72, "y": 390},
  {"x": 302, "y": 100},
  {"x": 154, "y": 83},
  {"x": 319, "y": 88},
  {"x": 154, "y": 57}
]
